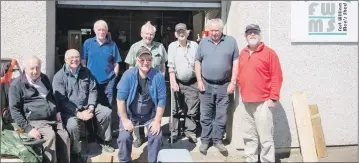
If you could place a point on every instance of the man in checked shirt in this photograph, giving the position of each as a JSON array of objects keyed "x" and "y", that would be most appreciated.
[{"x": 181, "y": 58}]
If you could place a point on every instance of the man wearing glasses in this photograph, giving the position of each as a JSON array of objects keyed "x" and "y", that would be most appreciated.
[
  {"x": 141, "y": 99},
  {"x": 159, "y": 57},
  {"x": 181, "y": 58},
  {"x": 260, "y": 80}
]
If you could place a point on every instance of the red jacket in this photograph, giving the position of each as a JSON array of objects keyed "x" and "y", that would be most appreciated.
[{"x": 260, "y": 74}]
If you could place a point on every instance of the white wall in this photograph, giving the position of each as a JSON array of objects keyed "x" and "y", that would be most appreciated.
[
  {"x": 28, "y": 28},
  {"x": 327, "y": 73}
]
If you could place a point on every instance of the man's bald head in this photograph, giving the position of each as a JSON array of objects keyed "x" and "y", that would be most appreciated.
[
  {"x": 32, "y": 67},
  {"x": 72, "y": 58}
]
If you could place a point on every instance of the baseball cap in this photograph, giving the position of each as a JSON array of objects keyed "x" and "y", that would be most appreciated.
[
  {"x": 252, "y": 27},
  {"x": 180, "y": 26},
  {"x": 143, "y": 50}
]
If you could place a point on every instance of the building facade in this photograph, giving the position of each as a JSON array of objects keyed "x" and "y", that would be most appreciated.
[{"x": 326, "y": 72}]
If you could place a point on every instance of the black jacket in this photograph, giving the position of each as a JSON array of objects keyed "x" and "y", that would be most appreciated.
[{"x": 26, "y": 104}]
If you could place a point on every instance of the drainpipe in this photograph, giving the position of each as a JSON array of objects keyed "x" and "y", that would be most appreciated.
[{"x": 224, "y": 15}]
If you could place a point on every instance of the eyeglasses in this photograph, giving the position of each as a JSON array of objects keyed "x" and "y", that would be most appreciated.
[
  {"x": 143, "y": 60},
  {"x": 255, "y": 32},
  {"x": 73, "y": 57}
]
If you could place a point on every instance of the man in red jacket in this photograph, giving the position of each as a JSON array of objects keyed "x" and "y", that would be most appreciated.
[{"x": 259, "y": 80}]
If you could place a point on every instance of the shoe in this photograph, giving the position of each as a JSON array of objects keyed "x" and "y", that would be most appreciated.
[
  {"x": 192, "y": 138},
  {"x": 222, "y": 149},
  {"x": 175, "y": 138},
  {"x": 78, "y": 158},
  {"x": 107, "y": 148},
  {"x": 138, "y": 142},
  {"x": 203, "y": 148}
]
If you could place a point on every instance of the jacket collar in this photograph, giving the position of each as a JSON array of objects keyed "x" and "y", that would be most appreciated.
[{"x": 24, "y": 80}]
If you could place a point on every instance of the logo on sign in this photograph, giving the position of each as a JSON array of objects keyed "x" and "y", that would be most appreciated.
[{"x": 328, "y": 18}]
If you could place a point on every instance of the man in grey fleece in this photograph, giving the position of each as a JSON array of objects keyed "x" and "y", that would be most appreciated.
[{"x": 76, "y": 93}]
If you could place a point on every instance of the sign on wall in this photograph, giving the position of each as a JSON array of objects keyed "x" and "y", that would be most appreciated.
[{"x": 324, "y": 21}]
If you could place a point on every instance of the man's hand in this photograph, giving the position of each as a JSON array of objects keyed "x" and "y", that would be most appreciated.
[
  {"x": 200, "y": 86},
  {"x": 174, "y": 86},
  {"x": 116, "y": 70},
  {"x": 127, "y": 125},
  {"x": 230, "y": 88},
  {"x": 85, "y": 115},
  {"x": 34, "y": 133},
  {"x": 91, "y": 108},
  {"x": 155, "y": 127},
  {"x": 271, "y": 103},
  {"x": 58, "y": 117}
]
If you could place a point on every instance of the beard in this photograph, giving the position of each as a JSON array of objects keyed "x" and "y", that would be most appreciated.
[{"x": 253, "y": 42}]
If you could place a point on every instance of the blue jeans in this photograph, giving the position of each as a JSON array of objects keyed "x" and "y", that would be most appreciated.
[
  {"x": 213, "y": 111},
  {"x": 124, "y": 142},
  {"x": 105, "y": 92}
]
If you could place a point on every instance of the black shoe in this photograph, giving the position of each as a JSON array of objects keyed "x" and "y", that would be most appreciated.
[
  {"x": 192, "y": 138},
  {"x": 175, "y": 139},
  {"x": 79, "y": 158},
  {"x": 138, "y": 142},
  {"x": 222, "y": 149},
  {"x": 203, "y": 148}
]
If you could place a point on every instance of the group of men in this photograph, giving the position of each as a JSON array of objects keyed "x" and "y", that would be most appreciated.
[{"x": 201, "y": 78}]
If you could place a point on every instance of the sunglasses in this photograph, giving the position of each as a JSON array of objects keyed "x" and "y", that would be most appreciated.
[
  {"x": 142, "y": 60},
  {"x": 249, "y": 32}
]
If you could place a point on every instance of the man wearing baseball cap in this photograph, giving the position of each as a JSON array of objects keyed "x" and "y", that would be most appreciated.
[
  {"x": 141, "y": 100},
  {"x": 260, "y": 80},
  {"x": 181, "y": 58}
]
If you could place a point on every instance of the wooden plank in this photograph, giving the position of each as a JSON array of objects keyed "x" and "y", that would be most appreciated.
[
  {"x": 318, "y": 132},
  {"x": 304, "y": 127},
  {"x": 104, "y": 157}
]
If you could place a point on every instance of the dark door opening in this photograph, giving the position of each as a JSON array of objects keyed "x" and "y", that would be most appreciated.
[{"x": 124, "y": 27}]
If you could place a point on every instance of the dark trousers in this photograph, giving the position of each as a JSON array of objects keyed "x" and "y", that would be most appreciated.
[
  {"x": 124, "y": 142},
  {"x": 105, "y": 92},
  {"x": 213, "y": 109},
  {"x": 102, "y": 118},
  {"x": 186, "y": 104}
]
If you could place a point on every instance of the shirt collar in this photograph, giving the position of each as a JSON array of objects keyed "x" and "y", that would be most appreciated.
[
  {"x": 221, "y": 39},
  {"x": 188, "y": 44},
  {"x": 106, "y": 41},
  {"x": 144, "y": 44}
]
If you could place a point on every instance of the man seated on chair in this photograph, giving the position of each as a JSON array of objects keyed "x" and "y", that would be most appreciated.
[
  {"x": 141, "y": 100},
  {"x": 76, "y": 93},
  {"x": 33, "y": 108}
]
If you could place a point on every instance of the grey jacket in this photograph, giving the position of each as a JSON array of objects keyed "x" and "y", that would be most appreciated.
[{"x": 74, "y": 93}]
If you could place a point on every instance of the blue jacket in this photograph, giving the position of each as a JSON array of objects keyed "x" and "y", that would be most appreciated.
[{"x": 127, "y": 89}]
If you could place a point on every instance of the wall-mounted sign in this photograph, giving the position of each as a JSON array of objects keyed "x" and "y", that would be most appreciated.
[{"x": 324, "y": 21}]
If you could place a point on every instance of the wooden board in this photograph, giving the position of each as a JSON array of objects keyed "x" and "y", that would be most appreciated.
[
  {"x": 304, "y": 127},
  {"x": 318, "y": 132}
]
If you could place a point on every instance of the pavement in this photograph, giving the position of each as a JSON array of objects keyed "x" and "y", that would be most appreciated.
[{"x": 335, "y": 154}]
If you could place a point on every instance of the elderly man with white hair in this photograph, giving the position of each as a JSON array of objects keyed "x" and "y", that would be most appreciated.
[
  {"x": 260, "y": 80},
  {"x": 101, "y": 56},
  {"x": 159, "y": 58},
  {"x": 181, "y": 58},
  {"x": 216, "y": 71},
  {"x": 76, "y": 94},
  {"x": 33, "y": 108}
]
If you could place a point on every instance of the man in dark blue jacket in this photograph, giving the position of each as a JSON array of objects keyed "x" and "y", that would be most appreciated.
[
  {"x": 141, "y": 100},
  {"x": 76, "y": 93},
  {"x": 33, "y": 108}
]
